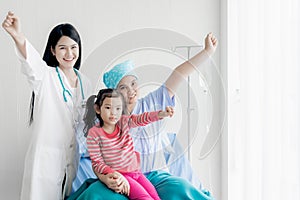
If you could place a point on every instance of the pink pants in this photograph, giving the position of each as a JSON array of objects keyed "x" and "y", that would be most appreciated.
[{"x": 140, "y": 186}]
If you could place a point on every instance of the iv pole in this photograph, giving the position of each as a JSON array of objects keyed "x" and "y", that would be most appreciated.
[{"x": 189, "y": 108}]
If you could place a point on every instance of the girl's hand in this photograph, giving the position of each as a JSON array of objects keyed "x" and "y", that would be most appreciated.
[
  {"x": 11, "y": 24},
  {"x": 211, "y": 44},
  {"x": 123, "y": 186},
  {"x": 110, "y": 180},
  {"x": 117, "y": 182},
  {"x": 167, "y": 113}
]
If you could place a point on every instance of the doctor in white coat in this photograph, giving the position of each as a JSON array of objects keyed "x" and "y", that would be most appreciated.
[{"x": 59, "y": 96}]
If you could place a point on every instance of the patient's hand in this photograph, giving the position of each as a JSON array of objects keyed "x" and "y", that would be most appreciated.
[{"x": 166, "y": 113}]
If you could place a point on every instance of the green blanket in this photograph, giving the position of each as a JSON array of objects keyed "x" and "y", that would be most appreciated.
[{"x": 168, "y": 187}]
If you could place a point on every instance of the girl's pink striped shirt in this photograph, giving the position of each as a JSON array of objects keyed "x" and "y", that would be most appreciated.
[{"x": 115, "y": 151}]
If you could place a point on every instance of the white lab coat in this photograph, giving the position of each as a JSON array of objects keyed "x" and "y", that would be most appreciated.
[{"x": 52, "y": 153}]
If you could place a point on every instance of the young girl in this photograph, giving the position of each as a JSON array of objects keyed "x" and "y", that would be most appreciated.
[
  {"x": 57, "y": 108},
  {"x": 111, "y": 147}
]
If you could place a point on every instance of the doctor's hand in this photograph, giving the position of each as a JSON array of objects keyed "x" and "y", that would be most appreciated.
[
  {"x": 211, "y": 44},
  {"x": 12, "y": 24}
]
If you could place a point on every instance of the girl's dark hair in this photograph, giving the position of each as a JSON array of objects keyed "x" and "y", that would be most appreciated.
[
  {"x": 91, "y": 116},
  {"x": 54, "y": 36}
]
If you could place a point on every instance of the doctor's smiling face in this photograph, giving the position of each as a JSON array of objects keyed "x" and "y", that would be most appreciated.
[
  {"x": 63, "y": 47},
  {"x": 66, "y": 52}
]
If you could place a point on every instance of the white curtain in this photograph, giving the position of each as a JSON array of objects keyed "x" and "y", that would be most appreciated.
[{"x": 264, "y": 98}]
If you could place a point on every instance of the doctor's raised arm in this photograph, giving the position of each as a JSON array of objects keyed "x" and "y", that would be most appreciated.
[{"x": 12, "y": 25}]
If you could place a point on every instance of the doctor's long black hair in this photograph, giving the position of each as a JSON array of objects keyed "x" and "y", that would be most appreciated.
[{"x": 57, "y": 32}]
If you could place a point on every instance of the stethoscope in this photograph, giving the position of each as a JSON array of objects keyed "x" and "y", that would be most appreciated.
[{"x": 65, "y": 91}]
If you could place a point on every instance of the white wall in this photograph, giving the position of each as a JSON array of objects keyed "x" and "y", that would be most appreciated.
[{"x": 97, "y": 22}]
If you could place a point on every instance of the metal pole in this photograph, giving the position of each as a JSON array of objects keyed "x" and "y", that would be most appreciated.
[{"x": 189, "y": 108}]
